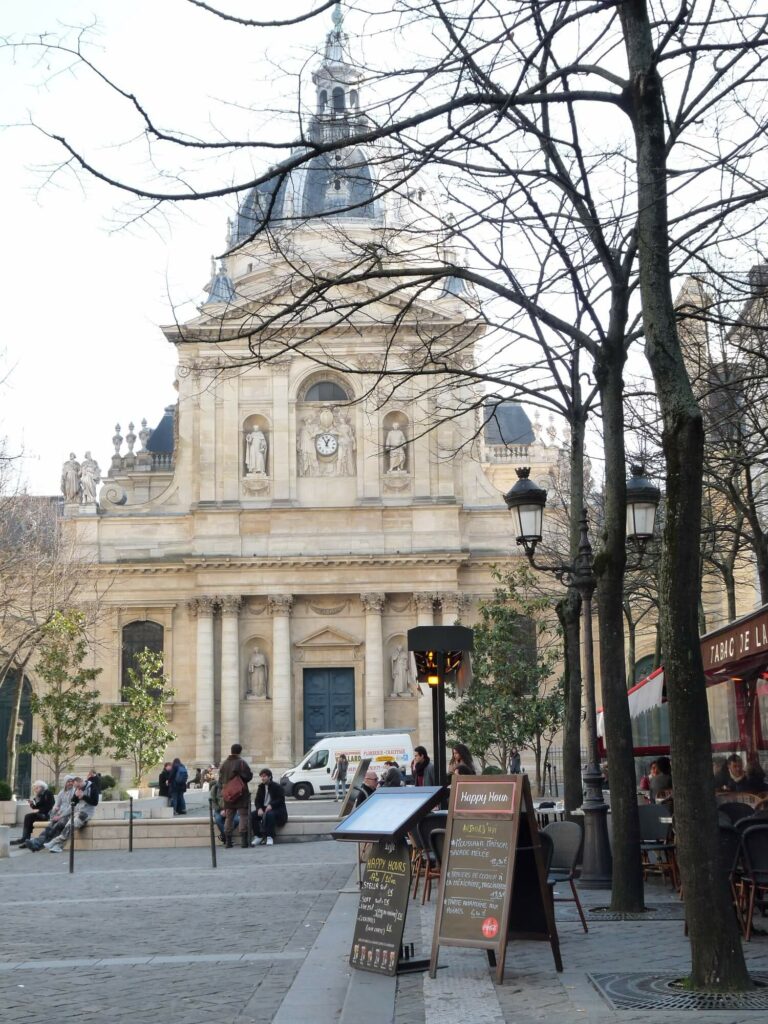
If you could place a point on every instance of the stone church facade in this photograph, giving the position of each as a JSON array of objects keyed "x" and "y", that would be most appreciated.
[{"x": 290, "y": 518}]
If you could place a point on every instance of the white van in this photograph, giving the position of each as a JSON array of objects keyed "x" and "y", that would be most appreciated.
[{"x": 313, "y": 773}]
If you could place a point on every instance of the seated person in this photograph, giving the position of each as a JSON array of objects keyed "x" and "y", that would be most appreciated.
[
  {"x": 660, "y": 780},
  {"x": 59, "y": 814},
  {"x": 391, "y": 779},
  {"x": 735, "y": 778},
  {"x": 41, "y": 803},
  {"x": 269, "y": 810},
  {"x": 85, "y": 801},
  {"x": 368, "y": 788},
  {"x": 218, "y": 809}
]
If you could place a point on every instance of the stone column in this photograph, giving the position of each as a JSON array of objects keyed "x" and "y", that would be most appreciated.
[
  {"x": 424, "y": 617},
  {"x": 282, "y": 690},
  {"x": 453, "y": 605},
  {"x": 230, "y": 672},
  {"x": 202, "y": 608},
  {"x": 373, "y": 605}
]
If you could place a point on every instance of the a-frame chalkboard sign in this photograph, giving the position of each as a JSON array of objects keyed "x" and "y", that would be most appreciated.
[{"x": 493, "y": 884}]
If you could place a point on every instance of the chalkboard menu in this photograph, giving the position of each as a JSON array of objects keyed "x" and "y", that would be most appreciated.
[
  {"x": 490, "y": 822},
  {"x": 382, "y": 908}
]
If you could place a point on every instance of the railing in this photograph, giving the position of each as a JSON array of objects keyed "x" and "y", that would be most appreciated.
[
  {"x": 162, "y": 460},
  {"x": 505, "y": 452}
]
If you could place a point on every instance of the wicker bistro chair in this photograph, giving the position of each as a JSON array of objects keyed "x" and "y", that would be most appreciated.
[
  {"x": 735, "y": 811},
  {"x": 567, "y": 840},
  {"x": 754, "y": 878},
  {"x": 657, "y": 848},
  {"x": 419, "y": 858},
  {"x": 436, "y": 845},
  {"x": 427, "y": 825}
]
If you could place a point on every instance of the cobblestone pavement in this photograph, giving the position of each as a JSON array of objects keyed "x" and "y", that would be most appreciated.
[
  {"x": 158, "y": 936},
  {"x": 463, "y": 992}
]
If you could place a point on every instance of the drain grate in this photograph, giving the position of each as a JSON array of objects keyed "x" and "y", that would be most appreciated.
[
  {"x": 648, "y": 991},
  {"x": 652, "y": 912}
]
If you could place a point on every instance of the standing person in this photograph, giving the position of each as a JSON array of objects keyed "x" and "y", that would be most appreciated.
[
  {"x": 218, "y": 808},
  {"x": 270, "y": 811},
  {"x": 515, "y": 764},
  {"x": 85, "y": 800},
  {"x": 177, "y": 786},
  {"x": 461, "y": 761},
  {"x": 235, "y": 795},
  {"x": 422, "y": 769},
  {"x": 41, "y": 804},
  {"x": 163, "y": 779},
  {"x": 339, "y": 776}
]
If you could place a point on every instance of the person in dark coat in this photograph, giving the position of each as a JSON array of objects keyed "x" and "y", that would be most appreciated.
[
  {"x": 269, "y": 811},
  {"x": 422, "y": 769},
  {"x": 234, "y": 766},
  {"x": 391, "y": 779},
  {"x": 41, "y": 804},
  {"x": 163, "y": 788},
  {"x": 368, "y": 788},
  {"x": 177, "y": 786}
]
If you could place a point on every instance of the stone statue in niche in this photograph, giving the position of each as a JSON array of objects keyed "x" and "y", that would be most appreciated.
[
  {"x": 345, "y": 463},
  {"x": 90, "y": 477},
  {"x": 70, "y": 479},
  {"x": 258, "y": 674},
  {"x": 256, "y": 448},
  {"x": 399, "y": 663},
  {"x": 395, "y": 443}
]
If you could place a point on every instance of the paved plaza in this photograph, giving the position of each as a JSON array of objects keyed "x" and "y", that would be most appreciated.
[{"x": 159, "y": 937}]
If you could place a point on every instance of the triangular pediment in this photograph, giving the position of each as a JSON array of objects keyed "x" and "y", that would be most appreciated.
[
  {"x": 359, "y": 303},
  {"x": 328, "y": 637}
]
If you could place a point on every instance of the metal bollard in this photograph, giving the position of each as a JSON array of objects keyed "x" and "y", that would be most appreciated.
[
  {"x": 72, "y": 839},
  {"x": 213, "y": 834},
  {"x": 130, "y": 824}
]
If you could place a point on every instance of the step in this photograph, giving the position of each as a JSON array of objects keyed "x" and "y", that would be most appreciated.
[{"x": 151, "y": 833}]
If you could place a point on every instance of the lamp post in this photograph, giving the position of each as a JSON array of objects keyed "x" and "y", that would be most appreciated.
[
  {"x": 526, "y": 501},
  {"x": 438, "y": 652}
]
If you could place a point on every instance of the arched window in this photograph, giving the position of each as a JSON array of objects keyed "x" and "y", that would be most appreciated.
[
  {"x": 643, "y": 667},
  {"x": 322, "y": 99},
  {"x": 353, "y": 98},
  {"x": 138, "y": 636},
  {"x": 338, "y": 99},
  {"x": 326, "y": 391}
]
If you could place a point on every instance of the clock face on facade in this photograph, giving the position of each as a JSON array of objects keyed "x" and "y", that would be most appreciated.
[{"x": 326, "y": 444}]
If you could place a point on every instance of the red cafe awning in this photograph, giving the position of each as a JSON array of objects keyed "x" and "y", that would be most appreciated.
[{"x": 643, "y": 696}]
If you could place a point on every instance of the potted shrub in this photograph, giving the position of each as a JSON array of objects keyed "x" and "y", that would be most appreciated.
[{"x": 7, "y": 805}]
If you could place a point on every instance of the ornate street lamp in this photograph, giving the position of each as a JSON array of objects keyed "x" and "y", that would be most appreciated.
[{"x": 526, "y": 502}]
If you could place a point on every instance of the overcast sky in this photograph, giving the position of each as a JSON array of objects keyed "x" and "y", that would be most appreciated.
[{"x": 83, "y": 294}]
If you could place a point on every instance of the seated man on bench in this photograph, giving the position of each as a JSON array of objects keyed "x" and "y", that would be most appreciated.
[
  {"x": 269, "y": 810},
  {"x": 59, "y": 814},
  {"x": 84, "y": 801}
]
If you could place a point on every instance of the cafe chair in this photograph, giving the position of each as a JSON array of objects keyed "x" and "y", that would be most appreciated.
[
  {"x": 436, "y": 845},
  {"x": 419, "y": 858},
  {"x": 657, "y": 849},
  {"x": 754, "y": 879},
  {"x": 567, "y": 840},
  {"x": 735, "y": 811}
]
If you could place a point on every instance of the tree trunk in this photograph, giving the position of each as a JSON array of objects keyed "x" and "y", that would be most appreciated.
[
  {"x": 569, "y": 614},
  {"x": 610, "y": 563},
  {"x": 13, "y": 736},
  {"x": 716, "y": 951}
]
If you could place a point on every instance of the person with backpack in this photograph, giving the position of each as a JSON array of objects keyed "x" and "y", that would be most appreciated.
[
  {"x": 234, "y": 776},
  {"x": 177, "y": 786},
  {"x": 339, "y": 775}
]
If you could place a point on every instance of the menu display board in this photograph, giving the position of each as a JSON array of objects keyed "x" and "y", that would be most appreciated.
[
  {"x": 388, "y": 813},
  {"x": 490, "y": 821},
  {"x": 382, "y": 908}
]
